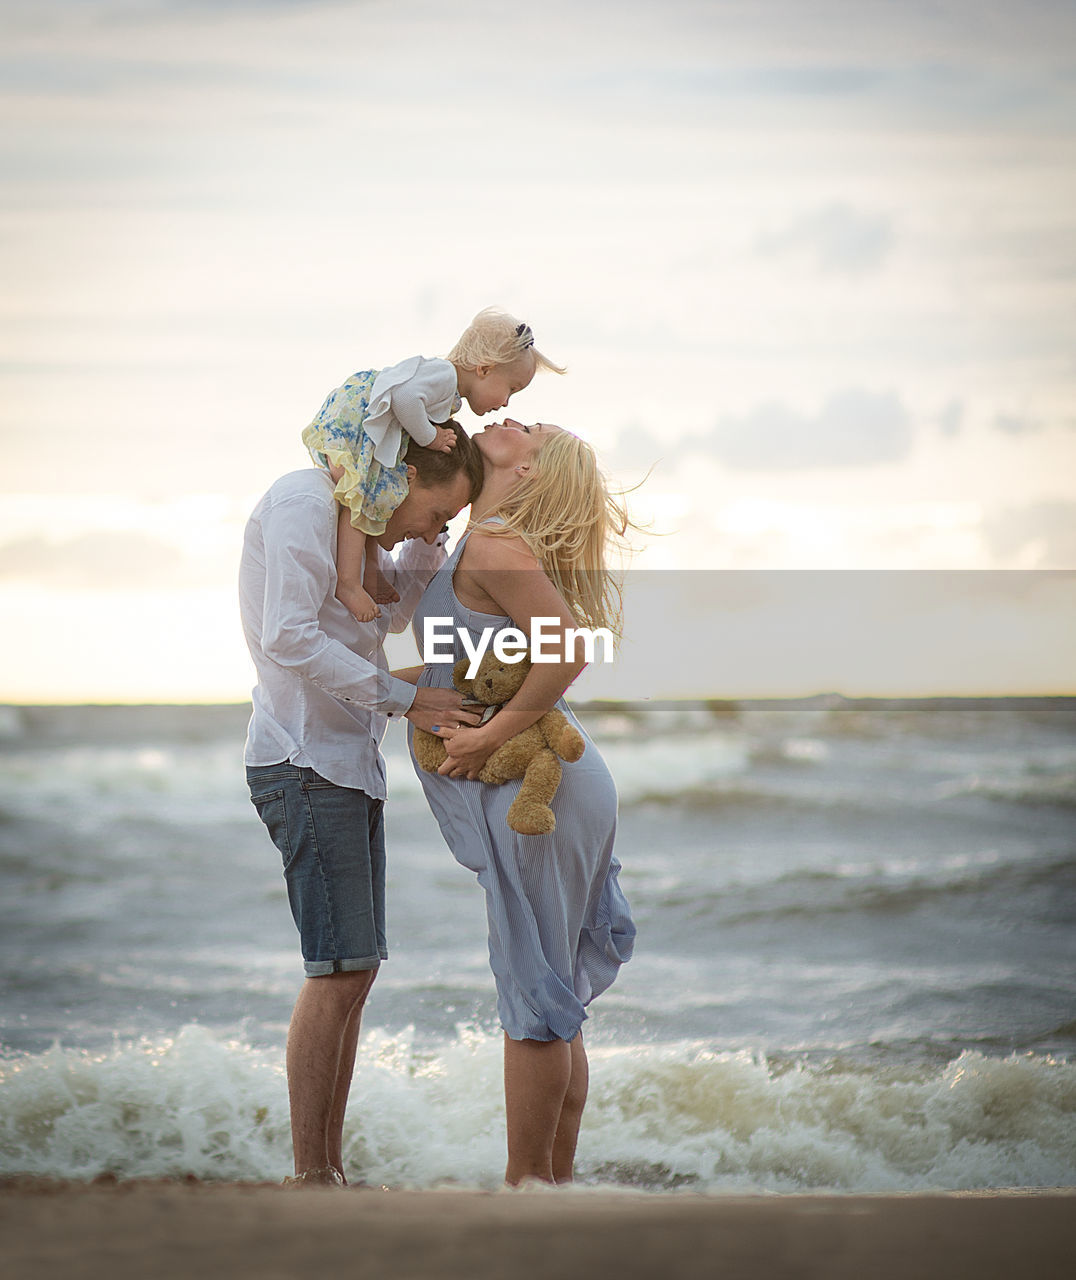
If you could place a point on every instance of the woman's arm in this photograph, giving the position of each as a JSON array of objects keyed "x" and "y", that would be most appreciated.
[{"x": 505, "y": 572}]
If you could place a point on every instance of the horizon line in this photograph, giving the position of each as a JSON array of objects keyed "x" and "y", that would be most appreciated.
[{"x": 820, "y": 695}]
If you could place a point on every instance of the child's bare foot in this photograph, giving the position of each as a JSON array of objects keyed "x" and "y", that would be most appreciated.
[{"x": 361, "y": 606}]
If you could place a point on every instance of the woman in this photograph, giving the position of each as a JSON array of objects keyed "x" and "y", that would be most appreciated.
[{"x": 559, "y": 926}]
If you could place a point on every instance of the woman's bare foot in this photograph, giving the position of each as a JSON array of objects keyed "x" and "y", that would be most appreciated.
[{"x": 327, "y": 1177}]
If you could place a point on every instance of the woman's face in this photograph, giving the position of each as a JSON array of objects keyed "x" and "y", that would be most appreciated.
[{"x": 511, "y": 444}]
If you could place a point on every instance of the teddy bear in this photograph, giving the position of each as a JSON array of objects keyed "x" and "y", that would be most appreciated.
[{"x": 530, "y": 755}]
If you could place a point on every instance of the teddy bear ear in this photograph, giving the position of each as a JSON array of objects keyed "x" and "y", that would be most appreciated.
[
  {"x": 490, "y": 662},
  {"x": 459, "y": 676}
]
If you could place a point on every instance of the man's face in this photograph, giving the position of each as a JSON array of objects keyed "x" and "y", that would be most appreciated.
[{"x": 425, "y": 510}]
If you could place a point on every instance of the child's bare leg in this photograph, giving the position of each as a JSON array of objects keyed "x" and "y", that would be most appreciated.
[
  {"x": 377, "y": 586},
  {"x": 350, "y": 548}
]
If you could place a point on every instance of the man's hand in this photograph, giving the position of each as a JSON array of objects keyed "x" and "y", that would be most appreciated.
[{"x": 439, "y": 708}]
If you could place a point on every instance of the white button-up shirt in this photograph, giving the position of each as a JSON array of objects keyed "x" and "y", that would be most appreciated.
[{"x": 324, "y": 689}]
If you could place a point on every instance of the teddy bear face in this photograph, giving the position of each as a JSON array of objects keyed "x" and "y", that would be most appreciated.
[{"x": 494, "y": 682}]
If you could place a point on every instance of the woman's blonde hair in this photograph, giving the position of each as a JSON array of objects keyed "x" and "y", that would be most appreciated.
[
  {"x": 494, "y": 337},
  {"x": 565, "y": 512}
]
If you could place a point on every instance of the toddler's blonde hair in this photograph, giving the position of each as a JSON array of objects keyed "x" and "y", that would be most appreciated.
[
  {"x": 565, "y": 512},
  {"x": 494, "y": 337}
]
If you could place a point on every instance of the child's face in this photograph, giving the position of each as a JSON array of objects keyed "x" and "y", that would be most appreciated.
[{"x": 495, "y": 384}]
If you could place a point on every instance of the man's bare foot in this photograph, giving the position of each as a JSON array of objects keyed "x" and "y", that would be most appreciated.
[
  {"x": 386, "y": 594},
  {"x": 379, "y": 587},
  {"x": 361, "y": 606}
]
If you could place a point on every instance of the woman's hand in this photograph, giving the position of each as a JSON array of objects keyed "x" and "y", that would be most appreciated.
[
  {"x": 433, "y": 709},
  {"x": 468, "y": 750}
]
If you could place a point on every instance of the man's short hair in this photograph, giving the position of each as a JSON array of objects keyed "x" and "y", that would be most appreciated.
[{"x": 436, "y": 467}]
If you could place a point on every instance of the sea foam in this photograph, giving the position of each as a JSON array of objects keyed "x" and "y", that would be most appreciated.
[{"x": 659, "y": 1117}]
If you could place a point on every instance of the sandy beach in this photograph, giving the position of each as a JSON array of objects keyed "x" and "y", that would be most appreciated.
[{"x": 184, "y": 1229}]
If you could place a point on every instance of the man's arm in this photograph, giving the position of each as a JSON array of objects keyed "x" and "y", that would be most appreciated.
[
  {"x": 410, "y": 572},
  {"x": 298, "y": 581}
]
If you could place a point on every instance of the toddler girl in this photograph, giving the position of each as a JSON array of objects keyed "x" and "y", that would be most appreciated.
[{"x": 361, "y": 432}]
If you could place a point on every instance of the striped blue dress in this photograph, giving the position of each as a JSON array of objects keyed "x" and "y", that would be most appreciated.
[{"x": 559, "y": 924}]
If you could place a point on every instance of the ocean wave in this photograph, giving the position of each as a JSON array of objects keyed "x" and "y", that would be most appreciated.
[
  {"x": 872, "y": 888},
  {"x": 185, "y": 764},
  {"x": 659, "y": 1117},
  {"x": 735, "y": 1120},
  {"x": 803, "y": 785},
  {"x": 765, "y": 794},
  {"x": 96, "y": 787},
  {"x": 1026, "y": 786}
]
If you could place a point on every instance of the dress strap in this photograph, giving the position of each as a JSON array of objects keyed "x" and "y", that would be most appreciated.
[{"x": 466, "y": 534}]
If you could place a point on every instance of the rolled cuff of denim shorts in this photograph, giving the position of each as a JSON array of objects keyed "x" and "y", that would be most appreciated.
[{"x": 325, "y": 968}]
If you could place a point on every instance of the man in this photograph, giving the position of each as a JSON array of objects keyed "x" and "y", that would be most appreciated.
[{"x": 315, "y": 772}]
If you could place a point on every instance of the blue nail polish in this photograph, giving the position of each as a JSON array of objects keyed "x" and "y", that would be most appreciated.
[{"x": 436, "y": 727}]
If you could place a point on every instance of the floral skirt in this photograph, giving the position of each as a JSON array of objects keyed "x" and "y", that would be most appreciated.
[{"x": 370, "y": 491}]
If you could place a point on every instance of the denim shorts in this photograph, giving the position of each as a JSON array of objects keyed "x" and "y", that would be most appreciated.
[{"x": 332, "y": 841}]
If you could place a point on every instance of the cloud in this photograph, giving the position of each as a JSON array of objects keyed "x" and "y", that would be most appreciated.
[
  {"x": 854, "y": 428},
  {"x": 951, "y": 418},
  {"x": 1041, "y": 535},
  {"x": 635, "y": 446},
  {"x": 841, "y": 239},
  {"x": 101, "y": 559},
  {"x": 876, "y": 634},
  {"x": 1017, "y": 424}
]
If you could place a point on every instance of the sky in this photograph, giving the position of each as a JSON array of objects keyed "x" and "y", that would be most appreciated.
[{"x": 811, "y": 267}]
